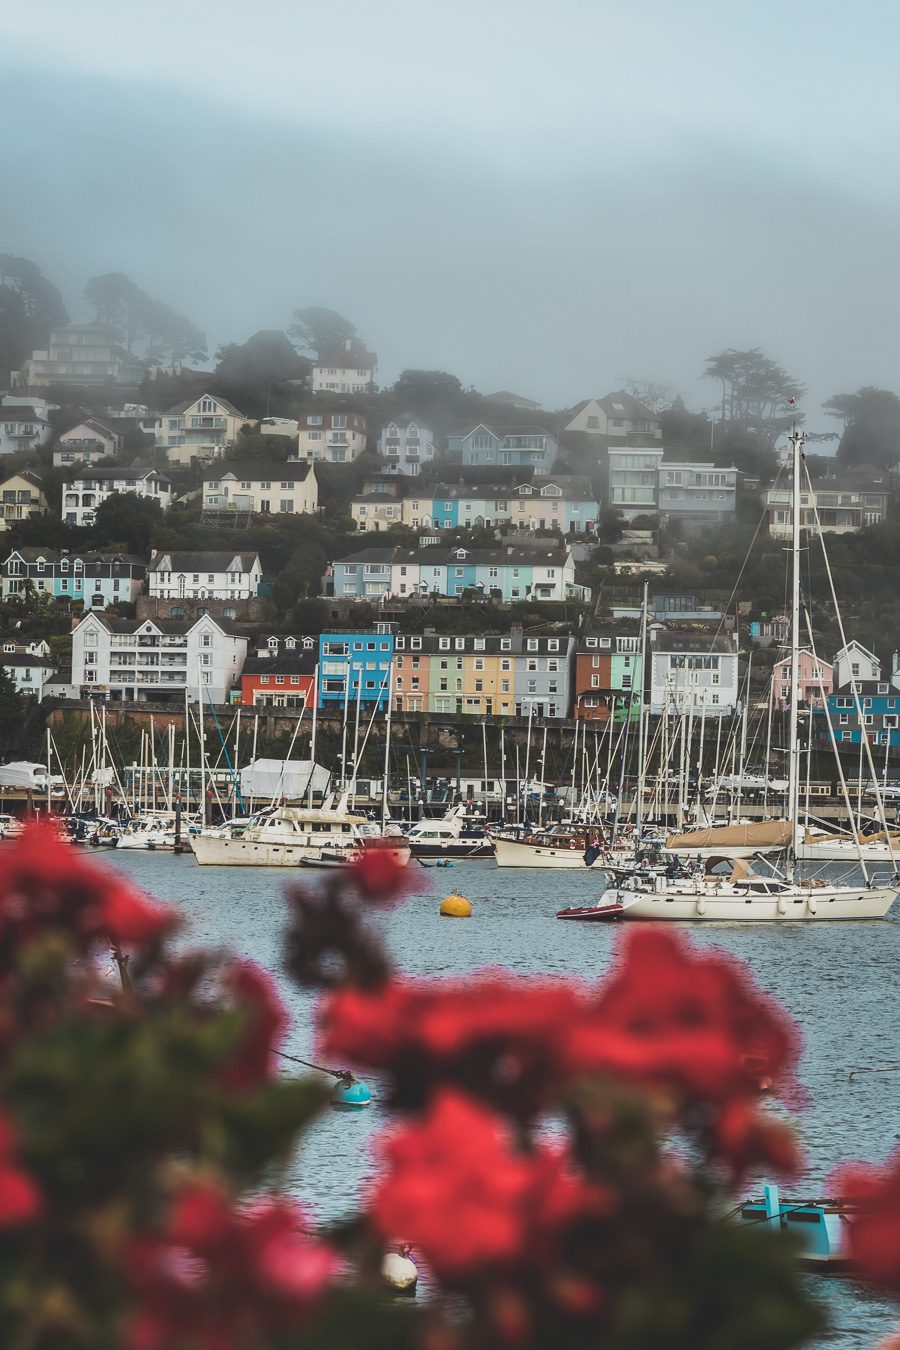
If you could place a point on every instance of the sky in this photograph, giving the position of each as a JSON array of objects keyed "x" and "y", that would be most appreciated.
[{"x": 545, "y": 197}]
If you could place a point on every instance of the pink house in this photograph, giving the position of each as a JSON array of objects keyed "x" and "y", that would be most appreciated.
[{"x": 814, "y": 677}]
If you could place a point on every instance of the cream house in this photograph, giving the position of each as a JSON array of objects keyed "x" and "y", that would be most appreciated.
[
  {"x": 21, "y": 495},
  {"x": 199, "y": 429},
  {"x": 619, "y": 417},
  {"x": 349, "y": 369},
  {"x": 260, "y": 487}
]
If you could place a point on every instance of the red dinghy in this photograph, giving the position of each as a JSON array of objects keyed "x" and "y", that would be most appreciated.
[{"x": 593, "y": 913}]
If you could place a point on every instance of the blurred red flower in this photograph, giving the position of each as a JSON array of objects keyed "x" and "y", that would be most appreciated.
[
  {"x": 459, "y": 1191},
  {"x": 874, "y": 1231},
  {"x": 252, "y": 992},
  {"x": 218, "y": 1278},
  {"x": 376, "y": 873},
  {"x": 46, "y": 884},
  {"x": 20, "y": 1199},
  {"x": 746, "y": 1140}
]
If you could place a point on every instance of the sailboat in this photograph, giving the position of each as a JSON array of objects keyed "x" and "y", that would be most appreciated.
[{"x": 727, "y": 888}]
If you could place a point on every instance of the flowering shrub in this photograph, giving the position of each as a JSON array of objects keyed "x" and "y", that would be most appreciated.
[{"x": 560, "y": 1156}]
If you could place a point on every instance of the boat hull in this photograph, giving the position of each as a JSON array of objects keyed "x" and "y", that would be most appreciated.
[
  {"x": 821, "y": 905},
  {"x": 211, "y": 851},
  {"x": 513, "y": 853},
  {"x": 455, "y": 851},
  {"x": 839, "y": 851}
]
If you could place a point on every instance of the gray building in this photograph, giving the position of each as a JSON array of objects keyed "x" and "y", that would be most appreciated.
[
  {"x": 406, "y": 444},
  {"x": 696, "y": 493}
]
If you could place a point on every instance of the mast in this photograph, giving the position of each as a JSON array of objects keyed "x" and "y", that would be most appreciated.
[
  {"x": 312, "y": 741},
  {"x": 639, "y": 809},
  {"x": 385, "y": 812},
  {"x": 797, "y": 440}
]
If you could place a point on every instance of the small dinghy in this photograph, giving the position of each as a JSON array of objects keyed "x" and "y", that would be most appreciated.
[
  {"x": 593, "y": 913},
  {"x": 819, "y": 1227}
]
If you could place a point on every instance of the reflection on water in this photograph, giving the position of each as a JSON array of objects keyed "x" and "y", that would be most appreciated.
[{"x": 836, "y": 979}]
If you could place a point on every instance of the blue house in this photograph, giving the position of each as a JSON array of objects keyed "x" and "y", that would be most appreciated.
[
  {"x": 523, "y": 447},
  {"x": 362, "y": 659},
  {"x": 880, "y": 706}
]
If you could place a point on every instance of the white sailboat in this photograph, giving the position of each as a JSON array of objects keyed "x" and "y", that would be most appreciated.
[{"x": 728, "y": 890}]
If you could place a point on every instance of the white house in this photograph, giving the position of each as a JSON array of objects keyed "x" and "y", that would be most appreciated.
[
  {"x": 618, "y": 416},
  {"x": 203, "y": 576},
  {"x": 90, "y": 487},
  {"x": 261, "y": 487},
  {"x": 21, "y": 428},
  {"x": 335, "y": 437},
  {"x": 854, "y": 662},
  {"x": 29, "y": 665},
  {"x": 86, "y": 443},
  {"x": 200, "y": 428},
  {"x": 686, "y": 676},
  {"x": 406, "y": 444},
  {"x": 153, "y": 660},
  {"x": 349, "y": 369}
]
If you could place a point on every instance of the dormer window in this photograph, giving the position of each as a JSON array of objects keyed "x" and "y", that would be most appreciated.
[
  {"x": 290, "y": 643},
  {"x": 532, "y": 644},
  {"x": 79, "y": 565},
  {"x": 273, "y": 642},
  {"x": 461, "y": 553},
  {"x": 207, "y": 405},
  {"x": 64, "y": 565},
  {"x": 590, "y": 642}
]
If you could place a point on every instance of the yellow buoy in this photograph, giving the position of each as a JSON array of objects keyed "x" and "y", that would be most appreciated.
[{"x": 456, "y": 907}]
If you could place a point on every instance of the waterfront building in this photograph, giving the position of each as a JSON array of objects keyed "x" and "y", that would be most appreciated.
[
  {"x": 607, "y": 669},
  {"x": 281, "y": 673},
  {"x": 814, "y": 676},
  {"x": 91, "y": 487},
  {"x": 484, "y": 675},
  {"x": 693, "y": 674},
  {"x": 94, "y": 579},
  {"x": 879, "y": 704},
  {"x": 157, "y": 660},
  {"x": 355, "y": 665},
  {"x": 854, "y": 662}
]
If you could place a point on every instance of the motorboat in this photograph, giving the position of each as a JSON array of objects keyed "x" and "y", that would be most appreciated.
[
  {"x": 818, "y": 845},
  {"x": 819, "y": 1227},
  {"x": 155, "y": 831},
  {"x": 455, "y": 835},
  {"x": 294, "y": 836},
  {"x": 10, "y": 827},
  {"x": 566, "y": 847}
]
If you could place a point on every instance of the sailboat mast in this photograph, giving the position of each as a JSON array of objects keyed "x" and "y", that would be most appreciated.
[
  {"x": 797, "y": 440},
  {"x": 641, "y": 662}
]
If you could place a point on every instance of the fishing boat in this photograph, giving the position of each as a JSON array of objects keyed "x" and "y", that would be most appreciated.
[
  {"x": 294, "y": 836},
  {"x": 819, "y": 1227},
  {"x": 456, "y": 834}
]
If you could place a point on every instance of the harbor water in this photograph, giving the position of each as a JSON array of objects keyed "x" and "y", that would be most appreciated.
[{"x": 836, "y": 979}]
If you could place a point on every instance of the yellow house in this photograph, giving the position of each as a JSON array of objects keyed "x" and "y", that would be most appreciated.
[
  {"x": 21, "y": 496},
  {"x": 201, "y": 428}
]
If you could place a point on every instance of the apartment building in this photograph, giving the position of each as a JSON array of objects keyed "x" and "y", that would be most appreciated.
[
  {"x": 91, "y": 487},
  {"x": 693, "y": 675},
  {"x": 486, "y": 676},
  {"x": 355, "y": 666},
  {"x": 838, "y": 505},
  {"x": 695, "y": 493},
  {"x": 634, "y": 480},
  {"x": 84, "y": 354},
  {"x": 95, "y": 579},
  {"x": 157, "y": 660},
  {"x": 280, "y": 673}
]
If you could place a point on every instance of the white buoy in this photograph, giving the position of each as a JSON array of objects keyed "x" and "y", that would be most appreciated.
[{"x": 399, "y": 1271}]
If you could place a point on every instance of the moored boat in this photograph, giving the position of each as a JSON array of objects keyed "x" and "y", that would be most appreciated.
[
  {"x": 294, "y": 836},
  {"x": 819, "y": 1226},
  {"x": 454, "y": 835}
]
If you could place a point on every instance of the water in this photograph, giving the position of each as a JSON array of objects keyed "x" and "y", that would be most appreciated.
[{"x": 836, "y": 980}]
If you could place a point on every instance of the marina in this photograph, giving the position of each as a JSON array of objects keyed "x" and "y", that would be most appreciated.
[{"x": 832, "y": 978}]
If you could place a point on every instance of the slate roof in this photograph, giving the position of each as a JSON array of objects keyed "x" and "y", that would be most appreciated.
[
  {"x": 201, "y": 562},
  {"x": 254, "y": 471}
]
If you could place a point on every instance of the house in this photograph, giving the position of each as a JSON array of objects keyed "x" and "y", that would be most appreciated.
[
  {"x": 507, "y": 574},
  {"x": 879, "y": 705},
  {"x": 510, "y": 400},
  {"x": 694, "y": 493},
  {"x": 356, "y": 667},
  {"x": 337, "y": 438},
  {"x": 200, "y": 428},
  {"x": 90, "y": 487},
  {"x": 87, "y": 442},
  {"x": 94, "y": 579},
  {"x": 559, "y": 502},
  {"x": 634, "y": 480},
  {"x": 617, "y": 418},
  {"x": 406, "y": 444},
  {"x": 854, "y": 662},
  {"x": 692, "y": 674},
  {"x": 172, "y": 575},
  {"x": 29, "y": 666},
  {"x": 838, "y": 505},
  {"x": 378, "y": 506},
  {"x": 281, "y": 673},
  {"x": 21, "y": 496},
  {"x": 346, "y": 369},
  {"x": 84, "y": 354},
  {"x": 260, "y": 487},
  {"x": 483, "y": 675},
  {"x": 480, "y": 445},
  {"x": 157, "y": 660},
  {"x": 21, "y": 428},
  {"x": 814, "y": 678},
  {"x": 608, "y": 685}
]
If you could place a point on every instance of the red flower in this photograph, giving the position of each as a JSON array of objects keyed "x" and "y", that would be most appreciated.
[
  {"x": 746, "y": 1140},
  {"x": 682, "y": 1018},
  {"x": 459, "y": 1192},
  {"x": 222, "y": 1279},
  {"x": 47, "y": 885},
  {"x": 376, "y": 873},
  {"x": 254, "y": 1054},
  {"x": 874, "y": 1232},
  {"x": 20, "y": 1199}
]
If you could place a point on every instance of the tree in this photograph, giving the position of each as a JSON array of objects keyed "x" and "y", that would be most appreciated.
[
  {"x": 302, "y": 576},
  {"x": 422, "y": 390},
  {"x": 30, "y": 306},
  {"x": 755, "y": 392},
  {"x": 127, "y": 521},
  {"x": 12, "y": 713},
  {"x": 141, "y": 322},
  {"x": 317, "y": 329},
  {"x": 654, "y": 394},
  {"x": 259, "y": 445},
  {"x": 267, "y": 356},
  {"x": 871, "y": 433}
]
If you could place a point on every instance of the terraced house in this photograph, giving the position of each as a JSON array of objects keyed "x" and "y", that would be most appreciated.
[
  {"x": 607, "y": 669},
  {"x": 505, "y": 574},
  {"x": 355, "y": 666},
  {"x": 96, "y": 579},
  {"x": 562, "y": 502},
  {"x": 483, "y": 675}
]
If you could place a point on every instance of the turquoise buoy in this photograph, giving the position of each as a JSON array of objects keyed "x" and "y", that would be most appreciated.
[{"x": 350, "y": 1093}]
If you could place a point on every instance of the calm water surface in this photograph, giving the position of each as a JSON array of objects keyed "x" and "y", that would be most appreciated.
[{"x": 836, "y": 979}]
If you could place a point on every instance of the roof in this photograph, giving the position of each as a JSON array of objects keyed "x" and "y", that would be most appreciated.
[
  {"x": 20, "y": 415},
  {"x": 618, "y": 404},
  {"x": 437, "y": 554},
  {"x": 254, "y": 471},
  {"x": 201, "y": 562},
  {"x": 518, "y": 400},
  {"x": 282, "y": 663},
  {"x": 189, "y": 403},
  {"x": 25, "y": 659},
  {"x": 172, "y": 626},
  {"x": 94, "y": 423},
  {"x": 489, "y": 643},
  {"x": 867, "y": 687},
  {"x": 28, "y": 474},
  {"x": 112, "y": 475},
  {"x": 358, "y": 358}
]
